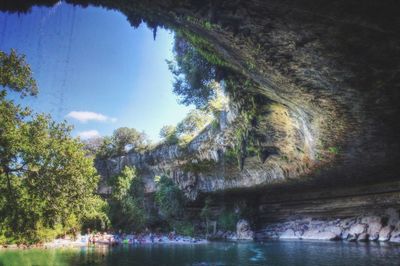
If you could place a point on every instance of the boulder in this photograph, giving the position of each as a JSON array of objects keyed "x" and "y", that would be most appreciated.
[
  {"x": 243, "y": 230},
  {"x": 231, "y": 236},
  {"x": 373, "y": 230},
  {"x": 346, "y": 223},
  {"x": 318, "y": 235},
  {"x": 363, "y": 237},
  {"x": 334, "y": 229},
  {"x": 395, "y": 235},
  {"x": 355, "y": 231},
  {"x": 384, "y": 234},
  {"x": 289, "y": 234},
  {"x": 219, "y": 234},
  {"x": 345, "y": 234}
]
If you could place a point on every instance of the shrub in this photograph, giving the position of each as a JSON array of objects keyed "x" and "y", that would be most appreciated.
[
  {"x": 169, "y": 134},
  {"x": 227, "y": 221},
  {"x": 334, "y": 150},
  {"x": 184, "y": 228},
  {"x": 169, "y": 198},
  {"x": 127, "y": 208}
]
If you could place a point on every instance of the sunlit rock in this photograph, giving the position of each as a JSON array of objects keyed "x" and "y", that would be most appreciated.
[
  {"x": 243, "y": 230},
  {"x": 373, "y": 230},
  {"x": 395, "y": 235},
  {"x": 385, "y": 233},
  {"x": 355, "y": 231},
  {"x": 328, "y": 124},
  {"x": 318, "y": 235}
]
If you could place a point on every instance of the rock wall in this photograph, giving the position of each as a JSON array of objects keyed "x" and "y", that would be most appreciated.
[
  {"x": 330, "y": 72},
  {"x": 283, "y": 144},
  {"x": 367, "y": 228},
  {"x": 332, "y": 65},
  {"x": 367, "y": 213}
]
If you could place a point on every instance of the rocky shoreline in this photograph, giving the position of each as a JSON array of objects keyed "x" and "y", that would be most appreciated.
[
  {"x": 104, "y": 239},
  {"x": 383, "y": 228}
]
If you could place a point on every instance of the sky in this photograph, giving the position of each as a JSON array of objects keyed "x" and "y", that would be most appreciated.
[{"x": 94, "y": 70}]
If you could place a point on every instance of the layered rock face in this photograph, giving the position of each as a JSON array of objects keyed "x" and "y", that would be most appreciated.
[
  {"x": 327, "y": 78},
  {"x": 205, "y": 165},
  {"x": 243, "y": 230},
  {"x": 369, "y": 228},
  {"x": 368, "y": 213}
]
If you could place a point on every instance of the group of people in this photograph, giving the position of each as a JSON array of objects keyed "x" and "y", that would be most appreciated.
[{"x": 141, "y": 238}]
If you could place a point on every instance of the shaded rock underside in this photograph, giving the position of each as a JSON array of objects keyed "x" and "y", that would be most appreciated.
[{"x": 326, "y": 79}]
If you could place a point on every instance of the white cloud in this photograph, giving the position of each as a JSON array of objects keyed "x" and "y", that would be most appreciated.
[
  {"x": 85, "y": 116},
  {"x": 89, "y": 134}
]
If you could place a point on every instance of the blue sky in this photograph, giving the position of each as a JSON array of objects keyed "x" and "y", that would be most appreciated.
[{"x": 94, "y": 69}]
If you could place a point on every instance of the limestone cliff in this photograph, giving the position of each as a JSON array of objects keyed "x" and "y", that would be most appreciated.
[{"x": 326, "y": 81}]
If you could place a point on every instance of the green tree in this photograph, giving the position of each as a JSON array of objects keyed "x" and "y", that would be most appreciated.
[
  {"x": 127, "y": 209},
  {"x": 193, "y": 122},
  {"x": 47, "y": 183},
  {"x": 106, "y": 148},
  {"x": 94, "y": 214},
  {"x": 227, "y": 220},
  {"x": 45, "y": 177},
  {"x": 121, "y": 184},
  {"x": 219, "y": 102},
  {"x": 125, "y": 139},
  {"x": 93, "y": 145},
  {"x": 169, "y": 198},
  {"x": 16, "y": 74},
  {"x": 193, "y": 74},
  {"x": 169, "y": 134}
]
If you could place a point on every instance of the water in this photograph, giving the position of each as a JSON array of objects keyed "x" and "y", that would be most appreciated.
[{"x": 220, "y": 253}]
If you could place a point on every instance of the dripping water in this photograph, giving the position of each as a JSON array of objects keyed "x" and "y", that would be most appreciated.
[{"x": 63, "y": 87}]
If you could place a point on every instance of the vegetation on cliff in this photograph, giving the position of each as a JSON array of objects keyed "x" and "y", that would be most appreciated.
[
  {"x": 169, "y": 198},
  {"x": 127, "y": 206},
  {"x": 200, "y": 79},
  {"x": 194, "y": 75}
]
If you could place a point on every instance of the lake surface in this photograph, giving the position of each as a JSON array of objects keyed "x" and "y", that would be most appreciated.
[{"x": 219, "y": 253}]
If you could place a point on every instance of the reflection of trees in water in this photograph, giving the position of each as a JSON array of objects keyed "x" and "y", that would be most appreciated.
[{"x": 91, "y": 256}]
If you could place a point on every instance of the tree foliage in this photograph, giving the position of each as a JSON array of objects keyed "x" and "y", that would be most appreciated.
[
  {"x": 92, "y": 146},
  {"x": 198, "y": 82},
  {"x": 45, "y": 177},
  {"x": 122, "y": 141},
  {"x": 106, "y": 149},
  {"x": 125, "y": 139},
  {"x": 47, "y": 184},
  {"x": 95, "y": 214},
  {"x": 16, "y": 74},
  {"x": 193, "y": 74},
  {"x": 169, "y": 198},
  {"x": 127, "y": 208},
  {"x": 227, "y": 220},
  {"x": 169, "y": 134},
  {"x": 193, "y": 122},
  {"x": 121, "y": 184}
]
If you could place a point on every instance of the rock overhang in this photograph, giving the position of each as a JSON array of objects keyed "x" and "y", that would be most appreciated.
[{"x": 328, "y": 68}]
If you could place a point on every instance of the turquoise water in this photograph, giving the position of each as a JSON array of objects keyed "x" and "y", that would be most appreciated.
[{"x": 219, "y": 253}]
